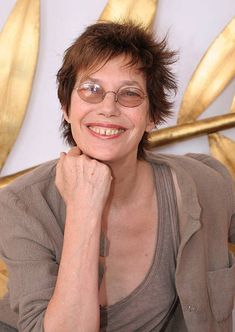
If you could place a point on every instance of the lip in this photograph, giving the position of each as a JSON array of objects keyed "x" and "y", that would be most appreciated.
[{"x": 105, "y": 125}]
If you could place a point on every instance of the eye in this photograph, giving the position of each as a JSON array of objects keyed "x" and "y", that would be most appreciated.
[
  {"x": 131, "y": 92},
  {"x": 90, "y": 89},
  {"x": 91, "y": 92}
]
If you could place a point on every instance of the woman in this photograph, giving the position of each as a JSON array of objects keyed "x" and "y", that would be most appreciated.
[{"x": 112, "y": 237}]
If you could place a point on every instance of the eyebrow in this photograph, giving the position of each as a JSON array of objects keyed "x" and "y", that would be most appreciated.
[{"x": 125, "y": 82}]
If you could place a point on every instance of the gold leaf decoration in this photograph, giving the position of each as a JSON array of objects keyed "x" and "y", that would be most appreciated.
[
  {"x": 3, "y": 279},
  {"x": 223, "y": 149},
  {"x": 19, "y": 41},
  {"x": 138, "y": 11},
  {"x": 233, "y": 106},
  {"x": 232, "y": 248},
  {"x": 5, "y": 180},
  {"x": 191, "y": 129},
  {"x": 214, "y": 72}
]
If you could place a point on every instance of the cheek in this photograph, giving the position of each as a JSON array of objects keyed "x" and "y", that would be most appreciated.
[
  {"x": 79, "y": 108},
  {"x": 141, "y": 118},
  {"x": 75, "y": 112}
]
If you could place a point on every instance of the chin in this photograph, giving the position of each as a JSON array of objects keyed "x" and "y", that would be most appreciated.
[{"x": 104, "y": 156}]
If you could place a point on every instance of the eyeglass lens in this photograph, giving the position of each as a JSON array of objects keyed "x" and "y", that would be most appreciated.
[{"x": 126, "y": 96}]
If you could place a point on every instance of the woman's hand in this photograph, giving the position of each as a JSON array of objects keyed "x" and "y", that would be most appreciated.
[{"x": 83, "y": 182}]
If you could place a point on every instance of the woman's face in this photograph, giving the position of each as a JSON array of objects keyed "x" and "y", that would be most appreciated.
[{"x": 108, "y": 131}]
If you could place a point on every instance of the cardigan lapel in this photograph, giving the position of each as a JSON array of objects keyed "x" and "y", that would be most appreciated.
[{"x": 190, "y": 209}]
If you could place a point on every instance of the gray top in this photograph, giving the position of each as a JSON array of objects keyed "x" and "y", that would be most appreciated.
[
  {"x": 32, "y": 224},
  {"x": 152, "y": 304}
]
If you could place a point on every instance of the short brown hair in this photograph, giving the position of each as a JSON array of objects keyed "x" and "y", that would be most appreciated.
[{"x": 103, "y": 41}]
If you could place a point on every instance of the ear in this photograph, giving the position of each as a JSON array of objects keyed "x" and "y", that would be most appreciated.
[
  {"x": 149, "y": 127},
  {"x": 66, "y": 116}
]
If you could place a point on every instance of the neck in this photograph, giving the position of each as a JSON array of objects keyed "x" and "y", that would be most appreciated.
[
  {"x": 133, "y": 182},
  {"x": 127, "y": 176}
]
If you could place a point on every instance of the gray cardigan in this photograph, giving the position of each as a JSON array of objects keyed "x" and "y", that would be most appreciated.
[{"x": 32, "y": 223}]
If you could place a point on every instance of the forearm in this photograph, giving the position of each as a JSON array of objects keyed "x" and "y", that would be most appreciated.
[{"x": 74, "y": 305}]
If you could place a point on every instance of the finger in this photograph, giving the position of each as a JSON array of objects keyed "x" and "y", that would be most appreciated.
[
  {"x": 60, "y": 160},
  {"x": 62, "y": 154},
  {"x": 74, "y": 151}
]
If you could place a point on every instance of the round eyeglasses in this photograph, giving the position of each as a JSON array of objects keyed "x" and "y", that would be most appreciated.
[{"x": 128, "y": 96}]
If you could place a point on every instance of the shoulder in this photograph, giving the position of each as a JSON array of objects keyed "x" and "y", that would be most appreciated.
[
  {"x": 41, "y": 174},
  {"x": 37, "y": 180},
  {"x": 207, "y": 161},
  {"x": 201, "y": 173},
  {"x": 31, "y": 207},
  {"x": 194, "y": 164},
  {"x": 31, "y": 193}
]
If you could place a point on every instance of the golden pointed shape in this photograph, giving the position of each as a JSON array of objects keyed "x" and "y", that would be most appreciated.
[
  {"x": 233, "y": 105},
  {"x": 214, "y": 72},
  {"x": 5, "y": 180},
  {"x": 19, "y": 42},
  {"x": 138, "y": 11},
  {"x": 187, "y": 130},
  {"x": 232, "y": 248},
  {"x": 3, "y": 279},
  {"x": 223, "y": 149}
]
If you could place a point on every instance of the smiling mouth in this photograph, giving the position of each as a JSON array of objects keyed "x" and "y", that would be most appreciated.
[{"x": 106, "y": 131}]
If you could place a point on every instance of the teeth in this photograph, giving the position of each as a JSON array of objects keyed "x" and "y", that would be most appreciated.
[{"x": 106, "y": 131}]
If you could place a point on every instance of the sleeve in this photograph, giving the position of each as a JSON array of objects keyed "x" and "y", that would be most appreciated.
[
  {"x": 26, "y": 248},
  {"x": 229, "y": 183}
]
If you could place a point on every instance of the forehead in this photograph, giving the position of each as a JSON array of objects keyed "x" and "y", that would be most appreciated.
[{"x": 117, "y": 67}]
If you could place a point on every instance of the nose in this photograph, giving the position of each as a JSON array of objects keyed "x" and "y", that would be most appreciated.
[{"x": 109, "y": 106}]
